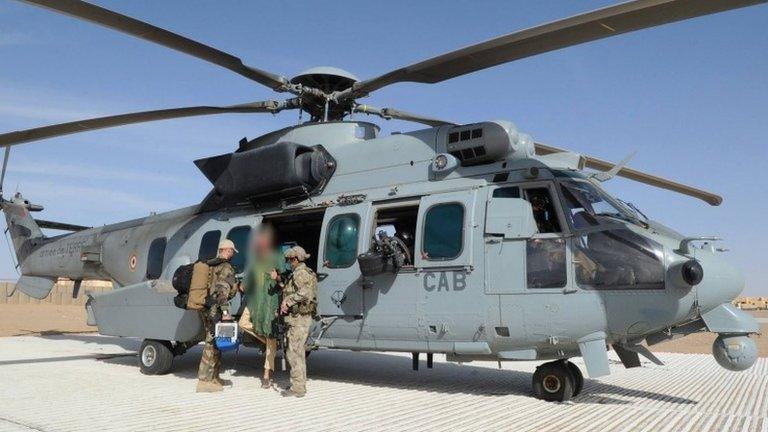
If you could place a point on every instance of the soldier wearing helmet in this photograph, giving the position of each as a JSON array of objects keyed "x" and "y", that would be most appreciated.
[
  {"x": 299, "y": 307},
  {"x": 221, "y": 289}
]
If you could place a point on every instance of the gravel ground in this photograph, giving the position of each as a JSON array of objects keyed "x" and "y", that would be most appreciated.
[{"x": 87, "y": 382}]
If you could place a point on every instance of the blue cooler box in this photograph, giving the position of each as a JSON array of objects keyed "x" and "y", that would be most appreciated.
[{"x": 227, "y": 336}]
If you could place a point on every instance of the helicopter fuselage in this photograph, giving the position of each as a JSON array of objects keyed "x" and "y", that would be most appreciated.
[{"x": 511, "y": 256}]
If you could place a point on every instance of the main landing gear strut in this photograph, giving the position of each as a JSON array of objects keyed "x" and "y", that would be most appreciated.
[{"x": 557, "y": 381}]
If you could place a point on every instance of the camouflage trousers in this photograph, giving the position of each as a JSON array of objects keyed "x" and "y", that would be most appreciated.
[
  {"x": 298, "y": 331},
  {"x": 210, "y": 363}
]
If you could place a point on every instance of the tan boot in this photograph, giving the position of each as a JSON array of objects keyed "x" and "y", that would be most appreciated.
[
  {"x": 266, "y": 383},
  {"x": 208, "y": 387}
]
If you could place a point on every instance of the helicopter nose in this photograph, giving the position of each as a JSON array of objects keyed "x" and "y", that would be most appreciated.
[{"x": 720, "y": 282}]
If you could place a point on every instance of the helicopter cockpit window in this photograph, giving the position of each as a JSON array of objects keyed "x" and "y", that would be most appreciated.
[
  {"x": 341, "y": 241},
  {"x": 239, "y": 236},
  {"x": 588, "y": 206},
  {"x": 618, "y": 259},
  {"x": 507, "y": 192},
  {"x": 543, "y": 210}
]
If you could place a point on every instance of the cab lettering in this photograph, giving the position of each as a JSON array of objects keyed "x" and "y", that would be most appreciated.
[{"x": 445, "y": 281}]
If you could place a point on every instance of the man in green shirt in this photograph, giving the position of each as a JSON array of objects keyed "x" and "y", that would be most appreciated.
[{"x": 262, "y": 292}]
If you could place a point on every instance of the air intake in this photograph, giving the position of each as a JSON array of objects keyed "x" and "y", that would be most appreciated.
[
  {"x": 271, "y": 172},
  {"x": 486, "y": 142}
]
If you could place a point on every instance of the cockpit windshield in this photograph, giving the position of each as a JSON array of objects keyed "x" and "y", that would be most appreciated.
[
  {"x": 612, "y": 256},
  {"x": 587, "y": 205}
]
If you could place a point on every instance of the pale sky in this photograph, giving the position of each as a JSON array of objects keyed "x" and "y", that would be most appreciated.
[{"x": 689, "y": 97}]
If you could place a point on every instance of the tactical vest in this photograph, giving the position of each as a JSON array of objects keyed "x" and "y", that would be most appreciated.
[{"x": 309, "y": 307}]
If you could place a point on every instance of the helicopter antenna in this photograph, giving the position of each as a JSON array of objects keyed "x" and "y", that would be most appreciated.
[{"x": 603, "y": 176}]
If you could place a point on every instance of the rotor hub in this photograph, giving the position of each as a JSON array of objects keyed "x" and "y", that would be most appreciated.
[{"x": 326, "y": 79}]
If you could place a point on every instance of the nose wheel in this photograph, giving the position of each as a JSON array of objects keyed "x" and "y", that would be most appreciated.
[{"x": 557, "y": 381}]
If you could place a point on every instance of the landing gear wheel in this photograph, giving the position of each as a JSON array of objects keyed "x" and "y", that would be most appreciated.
[
  {"x": 578, "y": 378},
  {"x": 553, "y": 381},
  {"x": 155, "y": 357}
]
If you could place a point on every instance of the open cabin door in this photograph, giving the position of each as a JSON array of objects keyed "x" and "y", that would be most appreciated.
[{"x": 342, "y": 239}]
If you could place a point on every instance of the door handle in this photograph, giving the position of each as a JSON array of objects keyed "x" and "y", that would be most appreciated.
[{"x": 321, "y": 276}]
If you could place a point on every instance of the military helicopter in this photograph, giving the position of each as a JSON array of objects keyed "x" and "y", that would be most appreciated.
[{"x": 469, "y": 240}]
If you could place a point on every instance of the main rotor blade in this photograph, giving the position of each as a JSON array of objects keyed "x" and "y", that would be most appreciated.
[
  {"x": 639, "y": 176},
  {"x": 391, "y": 113},
  {"x": 107, "y": 18},
  {"x": 40, "y": 133},
  {"x": 587, "y": 27},
  {"x": 5, "y": 166}
]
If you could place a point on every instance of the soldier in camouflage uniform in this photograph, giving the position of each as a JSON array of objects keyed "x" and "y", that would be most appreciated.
[
  {"x": 299, "y": 307},
  {"x": 221, "y": 289}
]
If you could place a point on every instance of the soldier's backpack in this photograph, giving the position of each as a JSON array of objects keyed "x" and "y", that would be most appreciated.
[{"x": 192, "y": 282}]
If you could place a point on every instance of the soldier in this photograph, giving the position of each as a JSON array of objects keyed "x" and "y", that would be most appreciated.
[
  {"x": 299, "y": 307},
  {"x": 221, "y": 290}
]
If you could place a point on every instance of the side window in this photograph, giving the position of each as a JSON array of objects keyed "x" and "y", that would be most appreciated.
[
  {"x": 209, "y": 245},
  {"x": 543, "y": 210},
  {"x": 443, "y": 231},
  {"x": 545, "y": 263},
  {"x": 507, "y": 192},
  {"x": 341, "y": 241},
  {"x": 155, "y": 258},
  {"x": 239, "y": 236},
  {"x": 397, "y": 226}
]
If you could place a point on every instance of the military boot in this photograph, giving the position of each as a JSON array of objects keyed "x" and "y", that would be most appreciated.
[
  {"x": 212, "y": 386},
  {"x": 216, "y": 378},
  {"x": 291, "y": 393}
]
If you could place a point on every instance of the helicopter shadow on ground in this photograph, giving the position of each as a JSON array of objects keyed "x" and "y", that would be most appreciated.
[
  {"x": 362, "y": 368},
  {"x": 131, "y": 345},
  {"x": 394, "y": 371}
]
